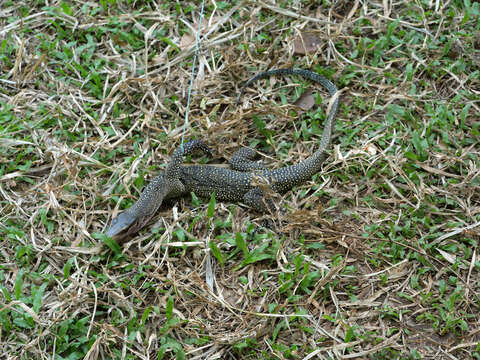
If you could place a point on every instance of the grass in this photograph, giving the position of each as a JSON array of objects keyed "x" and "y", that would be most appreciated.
[{"x": 376, "y": 257}]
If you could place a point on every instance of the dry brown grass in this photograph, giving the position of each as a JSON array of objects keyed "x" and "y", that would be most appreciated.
[{"x": 389, "y": 241}]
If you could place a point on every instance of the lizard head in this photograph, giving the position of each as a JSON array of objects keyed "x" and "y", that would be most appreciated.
[
  {"x": 128, "y": 223},
  {"x": 140, "y": 213},
  {"x": 121, "y": 224}
]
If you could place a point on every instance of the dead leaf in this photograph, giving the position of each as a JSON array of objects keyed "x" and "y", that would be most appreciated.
[
  {"x": 306, "y": 43},
  {"x": 306, "y": 100},
  {"x": 447, "y": 256},
  {"x": 371, "y": 149},
  {"x": 186, "y": 41}
]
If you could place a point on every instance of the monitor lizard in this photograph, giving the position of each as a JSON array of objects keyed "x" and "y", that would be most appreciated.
[{"x": 242, "y": 183}]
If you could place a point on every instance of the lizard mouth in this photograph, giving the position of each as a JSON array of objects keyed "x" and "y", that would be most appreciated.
[
  {"x": 122, "y": 225},
  {"x": 125, "y": 224}
]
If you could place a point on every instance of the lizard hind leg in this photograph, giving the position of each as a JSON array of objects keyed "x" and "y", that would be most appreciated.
[
  {"x": 255, "y": 199},
  {"x": 244, "y": 160}
]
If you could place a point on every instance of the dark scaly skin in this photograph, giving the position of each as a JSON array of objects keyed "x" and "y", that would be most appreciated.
[
  {"x": 239, "y": 184},
  {"x": 165, "y": 186}
]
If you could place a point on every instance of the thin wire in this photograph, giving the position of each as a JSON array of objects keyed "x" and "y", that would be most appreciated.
[{"x": 197, "y": 40}]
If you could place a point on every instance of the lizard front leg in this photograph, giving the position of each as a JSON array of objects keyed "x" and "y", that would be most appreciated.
[
  {"x": 173, "y": 168},
  {"x": 163, "y": 186},
  {"x": 255, "y": 199}
]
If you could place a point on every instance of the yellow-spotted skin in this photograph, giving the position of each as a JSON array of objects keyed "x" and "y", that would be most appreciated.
[{"x": 239, "y": 184}]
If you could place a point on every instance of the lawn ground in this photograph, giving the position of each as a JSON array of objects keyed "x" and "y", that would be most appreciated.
[{"x": 376, "y": 257}]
